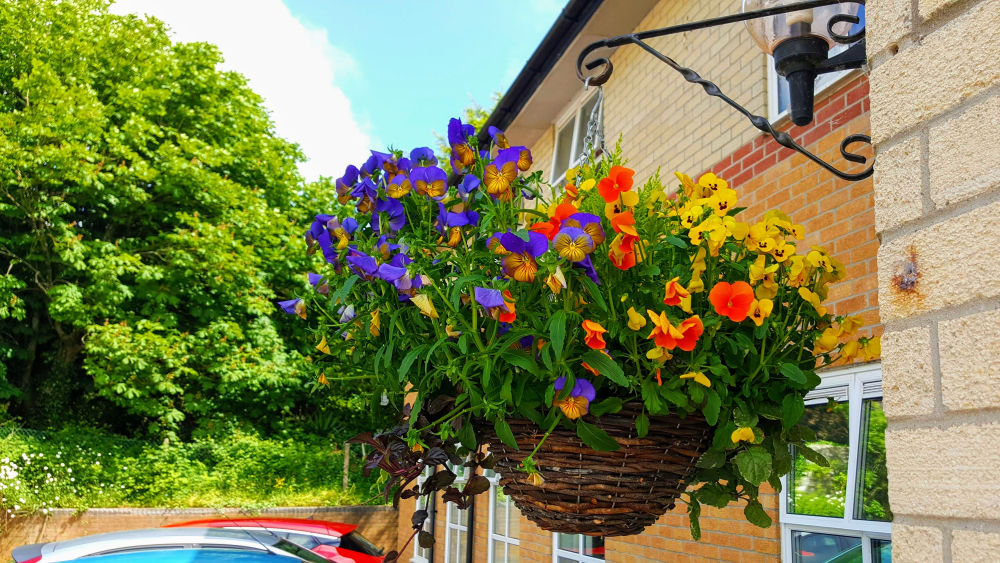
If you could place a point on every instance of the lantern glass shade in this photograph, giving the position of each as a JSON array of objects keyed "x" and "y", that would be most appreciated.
[{"x": 770, "y": 31}]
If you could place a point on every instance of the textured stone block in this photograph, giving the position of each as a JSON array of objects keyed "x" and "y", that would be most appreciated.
[
  {"x": 907, "y": 372},
  {"x": 962, "y": 165},
  {"x": 917, "y": 544},
  {"x": 898, "y": 190},
  {"x": 944, "y": 473},
  {"x": 970, "y": 361},
  {"x": 972, "y": 547},
  {"x": 886, "y": 22}
]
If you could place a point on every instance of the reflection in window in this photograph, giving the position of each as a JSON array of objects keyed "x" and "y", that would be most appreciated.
[
  {"x": 817, "y": 490},
  {"x": 570, "y": 140},
  {"x": 881, "y": 551},
  {"x": 505, "y": 527},
  {"x": 873, "y": 493},
  {"x": 576, "y": 548},
  {"x": 809, "y": 547}
]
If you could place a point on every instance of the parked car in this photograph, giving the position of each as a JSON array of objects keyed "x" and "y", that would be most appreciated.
[
  {"x": 819, "y": 548},
  {"x": 158, "y": 539},
  {"x": 194, "y": 556},
  {"x": 338, "y": 542}
]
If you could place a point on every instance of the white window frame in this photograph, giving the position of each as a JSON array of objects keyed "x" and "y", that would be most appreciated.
[
  {"x": 462, "y": 473},
  {"x": 572, "y": 115},
  {"x": 494, "y": 479},
  {"x": 558, "y": 552},
  {"x": 420, "y": 553},
  {"x": 854, "y": 379}
]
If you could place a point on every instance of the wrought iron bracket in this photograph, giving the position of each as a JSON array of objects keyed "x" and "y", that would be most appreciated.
[{"x": 853, "y": 57}]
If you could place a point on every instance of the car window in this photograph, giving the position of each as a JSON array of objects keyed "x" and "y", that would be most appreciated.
[
  {"x": 229, "y": 546},
  {"x": 304, "y": 540},
  {"x": 356, "y": 542},
  {"x": 300, "y": 552},
  {"x": 136, "y": 549}
]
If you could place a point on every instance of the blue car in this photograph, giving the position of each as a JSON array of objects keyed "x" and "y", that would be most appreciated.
[{"x": 194, "y": 556}]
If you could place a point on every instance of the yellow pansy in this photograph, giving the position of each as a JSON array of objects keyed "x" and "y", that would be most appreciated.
[
  {"x": 571, "y": 174},
  {"x": 765, "y": 291},
  {"x": 588, "y": 185},
  {"x": 690, "y": 188},
  {"x": 760, "y": 310},
  {"x": 850, "y": 325},
  {"x": 872, "y": 348},
  {"x": 696, "y": 285},
  {"x": 818, "y": 258},
  {"x": 798, "y": 271},
  {"x": 783, "y": 251},
  {"x": 323, "y": 380},
  {"x": 740, "y": 230},
  {"x": 655, "y": 201},
  {"x": 685, "y": 303},
  {"x": 698, "y": 377},
  {"x": 450, "y": 331},
  {"x": 760, "y": 232},
  {"x": 851, "y": 350},
  {"x": 827, "y": 341},
  {"x": 837, "y": 272},
  {"x": 323, "y": 346},
  {"x": 712, "y": 182},
  {"x": 758, "y": 270},
  {"x": 742, "y": 434},
  {"x": 376, "y": 325},
  {"x": 698, "y": 263},
  {"x": 635, "y": 320},
  {"x": 659, "y": 354},
  {"x": 536, "y": 479},
  {"x": 723, "y": 201},
  {"x": 766, "y": 245},
  {"x": 813, "y": 299},
  {"x": 426, "y": 306},
  {"x": 556, "y": 281}
]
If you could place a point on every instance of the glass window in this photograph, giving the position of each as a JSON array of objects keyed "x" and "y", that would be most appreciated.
[
  {"x": 576, "y": 548},
  {"x": 505, "y": 524},
  {"x": 456, "y": 522},
  {"x": 564, "y": 149},
  {"x": 817, "y": 490},
  {"x": 421, "y": 554},
  {"x": 570, "y": 139},
  {"x": 780, "y": 100},
  {"x": 840, "y": 513}
]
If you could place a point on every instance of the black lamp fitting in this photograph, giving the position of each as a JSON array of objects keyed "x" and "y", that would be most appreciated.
[{"x": 796, "y": 59}]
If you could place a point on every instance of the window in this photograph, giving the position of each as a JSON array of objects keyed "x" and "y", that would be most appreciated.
[
  {"x": 570, "y": 134},
  {"x": 777, "y": 86},
  {"x": 422, "y": 554},
  {"x": 505, "y": 524},
  {"x": 840, "y": 513},
  {"x": 577, "y": 548},
  {"x": 457, "y": 522}
]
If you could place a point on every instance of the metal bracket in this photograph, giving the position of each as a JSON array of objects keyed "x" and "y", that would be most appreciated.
[{"x": 853, "y": 57}]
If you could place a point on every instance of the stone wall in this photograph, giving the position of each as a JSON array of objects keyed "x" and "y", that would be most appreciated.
[
  {"x": 935, "y": 112},
  {"x": 377, "y": 523}
]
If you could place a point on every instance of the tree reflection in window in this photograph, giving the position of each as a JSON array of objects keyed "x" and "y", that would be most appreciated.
[
  {"x": 814, "y": 489},
  {"x": 872, "y": 501}
]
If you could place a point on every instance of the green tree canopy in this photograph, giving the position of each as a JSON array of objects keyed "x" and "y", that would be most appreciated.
[{"x": 149, "y": 219}]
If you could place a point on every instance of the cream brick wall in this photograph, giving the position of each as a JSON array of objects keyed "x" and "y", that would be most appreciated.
[
  {"x": 667, "y": 121},
  {"x": 935, "y": 82}
]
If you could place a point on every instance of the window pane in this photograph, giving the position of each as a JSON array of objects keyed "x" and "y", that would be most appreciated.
[
  {"x": 499, "y": 512},
  {"x": 460, "y": 546},
  {"x": 513, "y": 555},
  {"x": 808, "y": 547},
  {"x": 582, "y": 126},
  {"x": 514, "y": 528},
  {"x": 816, "y": 490},
  {"x": 463, "y": 517},
  {"x": 593, "y": 547},
  {"x": 564, "y": 148},
  {"x": 499, "y": 555},
  {"x": 881, "y": 551},
  {"x": 569, "y": 542},
  {"x": 872, "y": 502}
]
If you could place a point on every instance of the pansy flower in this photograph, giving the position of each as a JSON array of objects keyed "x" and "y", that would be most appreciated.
[
  {"x": 346, "y": 314},
  {"x": 319, "y": 282},
  {"x": 732, "y": 300},
  {"x": 367, "y": 193},
  {"x": 760, "y": 310},
  {"x": 398, "y": 187},
  {"x": 594, "y": 337},
  {"x": 495, "y": 304},
  {"x": 373, "y": 163},
  {"x": 578, "y": 402},
  {"x": 520, "y": 264},
  {"x": 500, "y": 174},
  {"x": 587, "y": 265},
  {"x": 294, "y": 307},
  {"x": 635, "y": 320},
  {"x": 621, "y": 253},
  {"x": 468, "y": 184},
  {"x": 742, "y": 434},
  {"x": 499, "y": 139},
  {"x": 520, "y": 155},
  {"x": 712, "y": 182},
  {"x": 462, "y": 155},
  {"x": 556, "y": 281},
  {"x": 423, "y": 156},
  {"x": 495, "y": 246},
  {"x": 424, "y": 303},
  {"x": 449, "y": 223},
  {"x": 342, "y": 230},
  {"x": 430, "y": 181},
  {"x": 684, "y": 336},
  {"x": 556, "y": 217},
  {"x": 346, "y": 183},
  {"x": 619, "y": 180},
  {"x": 573, "y": 244},
  {"x": 362, "y": 264},
  {"x": 590, "y": 223},
  {"x": 393, "y": 212},
  {"x": 385, "y": 247},
  {"x": 698, "y": 377},
  {"x": 674, "y": 292}
]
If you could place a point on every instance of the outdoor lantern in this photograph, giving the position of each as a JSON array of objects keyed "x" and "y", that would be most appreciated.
[{"x": 800, "y": 42}]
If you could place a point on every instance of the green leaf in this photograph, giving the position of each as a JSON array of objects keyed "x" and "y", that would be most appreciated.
[
  {"x": 505, "y": 434},
  {"x": 408, "y": 360},
  {"x": 530, "y": 411},
  {"x": 711, "y": 459},
  {"x": 642, "y": 425},
  {"x": 769, "y": 411},
  {"x": 606, "y": 366},
  {"x": 341, "y": 294},
  {"x": 610, "y": 405},
  {"x": 812, "y": 455},
  {"x": 557, "y": 333},
  {"x": 792, "y": 408},
  {"x": 595, "y": 437},
  {"x": 523, "y": 235},
  {"x": 466, "y": 435},
  {"x": 694, "y": 512},
  {"x": 744, "y": 341},
  {"x": 463, "y": 344},
  {"x": 521, "y": 360},
  {"x": 651, "y": 396},
  {"x": 754, "y": 464},
  {"x": 674, "y": 396},
  {"x": 594, "y": 291},
  {"x": 713, "y": 494},
  {"x": 713, "y": 404},
  {"x": 755, "y": 514},
  {"x": 792, "y": 372},
  {"x": 676, "y": 242},
  {"x": 775, "y": 481}
]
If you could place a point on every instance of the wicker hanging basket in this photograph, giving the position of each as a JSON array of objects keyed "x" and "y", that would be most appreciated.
[{"x": 603, "y": 493}]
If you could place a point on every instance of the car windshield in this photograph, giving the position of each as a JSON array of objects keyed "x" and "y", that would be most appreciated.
[
  {"x": 300, "y": 552},
  {"x": 356, "y": 542}
]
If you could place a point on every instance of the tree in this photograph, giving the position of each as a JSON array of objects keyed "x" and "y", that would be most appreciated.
[{"x": 149, "y": 218}]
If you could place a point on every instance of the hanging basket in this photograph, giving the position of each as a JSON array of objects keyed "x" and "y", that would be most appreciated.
[{"x": 603, "y": 493}]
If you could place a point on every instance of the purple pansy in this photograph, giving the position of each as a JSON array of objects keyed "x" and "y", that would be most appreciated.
[
  {"x": 490, "y": 299},
  {"x": 587, "y": 265},
  {"x": 346, "y": 182},
  {"x": 590, "y": 223},
  {"x": 469, "y": 183},
  {"x": 499, "y": 139},
  {"x": 294, "y": 307},
  {"x": 346, "y": 313},
  {"x": 319, "y": 282},
  {"x": 423, "y": 156},
  {"x": 394, "y": 213},
  {"x": 362, "y": 264}
]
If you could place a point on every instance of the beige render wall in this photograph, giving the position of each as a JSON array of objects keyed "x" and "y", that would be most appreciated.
[{"x": 935, "y": 117}]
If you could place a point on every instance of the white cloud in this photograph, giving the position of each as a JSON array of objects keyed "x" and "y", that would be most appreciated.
[{"x": 292, "y": 65}]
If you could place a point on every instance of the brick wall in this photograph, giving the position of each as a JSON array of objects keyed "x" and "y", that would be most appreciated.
[
  {"x": 935, "y": 121},
  {"x": 377, "y": 523}
]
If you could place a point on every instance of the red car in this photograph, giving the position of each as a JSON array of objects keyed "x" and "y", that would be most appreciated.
[{"x": 335, "y": 541}]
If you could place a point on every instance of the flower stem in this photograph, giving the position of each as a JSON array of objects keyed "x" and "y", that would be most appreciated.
[{"x": 542, "y": 441}]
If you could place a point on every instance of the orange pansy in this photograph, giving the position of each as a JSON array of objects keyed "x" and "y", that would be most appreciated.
[
  {"x": 619, "y": 180},
  {"x": 595, "y": 335},
  {"x": 624, "y": 223},
  {"x": 510, "y": 315},
  {"x": 675, "y": 293},
  {"x": 732, "y": 300}
]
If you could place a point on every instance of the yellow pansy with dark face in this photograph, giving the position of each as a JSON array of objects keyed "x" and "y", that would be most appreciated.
[{"x": 573, "y": 244}]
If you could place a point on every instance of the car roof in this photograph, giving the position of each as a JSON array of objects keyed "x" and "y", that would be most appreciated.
[
  {"x": 193, "y": 556},
  {"x": 193, "y": 535},
  {"x": 297, "y": 524}
]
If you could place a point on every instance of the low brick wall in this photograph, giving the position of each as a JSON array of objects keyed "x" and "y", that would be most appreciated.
[{"x": 377, "y": 523}]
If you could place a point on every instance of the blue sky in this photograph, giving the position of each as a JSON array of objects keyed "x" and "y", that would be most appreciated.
[{"x": 418, "y": 63}]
